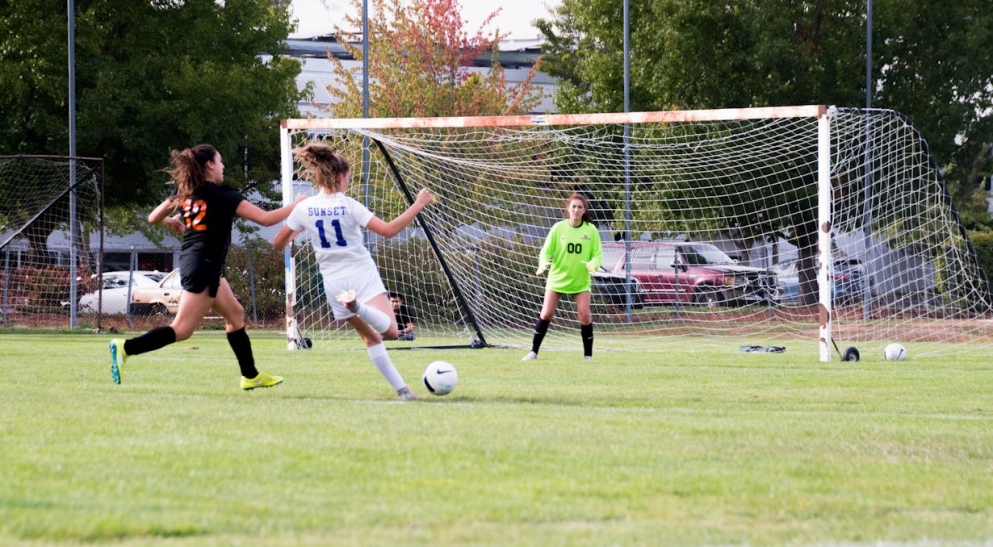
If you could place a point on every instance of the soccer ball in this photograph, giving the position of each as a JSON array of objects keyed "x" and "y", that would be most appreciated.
[
  {"x": 440, "y": 378},
  {"x": 895, "y": 352}
]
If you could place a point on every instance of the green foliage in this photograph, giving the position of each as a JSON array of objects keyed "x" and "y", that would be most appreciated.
[
  {"x": 150, "y": 77},
  {"x": 256, "y": 261},
  {"x": 982, "y": 242},
  {"x": 698, "y": 54},
  {"x": 42, "y": 290}
]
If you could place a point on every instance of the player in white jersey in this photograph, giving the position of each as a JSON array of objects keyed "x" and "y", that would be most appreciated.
[{"x": 334, "y": 222}]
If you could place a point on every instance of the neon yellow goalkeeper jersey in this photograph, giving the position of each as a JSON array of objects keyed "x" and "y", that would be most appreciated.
[{"x": 567, "y": 251}]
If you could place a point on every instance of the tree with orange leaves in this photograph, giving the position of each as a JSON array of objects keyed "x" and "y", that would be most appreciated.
[{"x": 419, "y": 58}]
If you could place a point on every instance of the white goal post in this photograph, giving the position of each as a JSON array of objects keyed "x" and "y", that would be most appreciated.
[{"x": 850, "y": 199}]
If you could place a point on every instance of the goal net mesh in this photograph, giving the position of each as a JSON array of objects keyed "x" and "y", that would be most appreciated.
[
  {"x": 902, "y": 268},
  {"x": 50, "y": 228}
]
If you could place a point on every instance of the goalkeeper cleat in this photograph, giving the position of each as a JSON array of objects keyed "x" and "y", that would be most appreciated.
[
  {"x": 262, "y": 380},
  {"x": 347, "y": 298},
  {"x": 406, "y": 395},
  {"x": 531, "y": 356},
  {"x": 117, "y": 359}
]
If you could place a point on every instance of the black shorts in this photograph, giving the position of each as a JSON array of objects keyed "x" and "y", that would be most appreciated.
[{"x": 199, "y": 274}]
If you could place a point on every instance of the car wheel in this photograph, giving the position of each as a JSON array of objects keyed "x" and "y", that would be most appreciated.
[
  {"x": 159, "y": 309},
  {"x": 706, "y": 297}
]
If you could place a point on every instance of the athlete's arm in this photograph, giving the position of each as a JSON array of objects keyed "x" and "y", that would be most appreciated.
[
  {"x": 393, "y": 227},
  {"x": 283, "y": 238},
  {"x": 256, "y": 214},
  {"x": 160, "y": 213}
]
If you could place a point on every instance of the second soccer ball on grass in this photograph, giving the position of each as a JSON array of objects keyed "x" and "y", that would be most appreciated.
[{"x": 895, "y": 352}]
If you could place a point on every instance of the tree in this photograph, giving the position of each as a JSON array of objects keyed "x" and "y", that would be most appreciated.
[
  {"x": 419, "y": 59},
  {"x": 150, "y": 76},
  {"x": 689, "y": 54}
]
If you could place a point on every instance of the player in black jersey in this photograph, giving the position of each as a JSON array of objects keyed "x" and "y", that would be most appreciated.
[{"x": 206, "y": 210}]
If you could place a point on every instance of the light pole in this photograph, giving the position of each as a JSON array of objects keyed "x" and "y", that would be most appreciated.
[
  {"x": 73, "y": 287},
  {"x": 867, "y": 192},
  {"x": 627, "y": 161}
]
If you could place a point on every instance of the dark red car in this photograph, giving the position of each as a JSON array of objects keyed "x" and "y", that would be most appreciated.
[{"x": 691, "y": 273}]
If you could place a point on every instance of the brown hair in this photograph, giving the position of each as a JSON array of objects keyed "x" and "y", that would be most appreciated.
[
  {"x": 587, "y": 217},
  {"x": 321, "y": 165},
  {"x": 186, "y": 170}
]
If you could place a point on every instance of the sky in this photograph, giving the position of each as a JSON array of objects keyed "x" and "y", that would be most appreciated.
[{"x": 318, "y": 17}]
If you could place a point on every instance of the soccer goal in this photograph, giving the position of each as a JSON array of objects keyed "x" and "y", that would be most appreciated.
[
  {"x": 794, "y": 223},
  {"x": 51, "y": 219}
]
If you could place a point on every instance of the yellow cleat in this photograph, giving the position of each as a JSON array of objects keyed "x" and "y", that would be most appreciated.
[{"x": 262, "y": 380}]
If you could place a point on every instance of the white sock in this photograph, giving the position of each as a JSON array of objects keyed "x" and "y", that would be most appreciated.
[
  {"x": 376, "y": 319},
  {"x": 382, "y": 361}
]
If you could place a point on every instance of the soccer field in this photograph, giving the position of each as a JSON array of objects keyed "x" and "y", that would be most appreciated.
[{"x": 698, "y": 446}]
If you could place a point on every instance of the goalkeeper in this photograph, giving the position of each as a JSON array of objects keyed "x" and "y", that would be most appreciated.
[{"x": 571, "y": 252}]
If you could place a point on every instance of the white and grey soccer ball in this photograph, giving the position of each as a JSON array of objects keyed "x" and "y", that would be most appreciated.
[
  {"x": 895, "y": 352},
  {"x": 440, "y": 378}
]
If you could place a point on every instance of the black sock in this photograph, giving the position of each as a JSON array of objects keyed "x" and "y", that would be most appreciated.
[
  {"x": 242, "y": 347},
  {"x": 152, "y": 340},
  {"x": 540, "y": 328},
  {"x": 586, "y": 331}
]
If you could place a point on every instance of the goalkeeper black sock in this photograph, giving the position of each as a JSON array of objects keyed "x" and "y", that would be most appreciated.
[
  {"x": 152, "y": 340},
  {"x": 540, "y": 328},
  {"x": 242, "y": 347},
  {"x": 586, "y": 331}
]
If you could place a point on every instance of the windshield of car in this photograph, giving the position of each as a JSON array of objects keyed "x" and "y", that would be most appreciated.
[
  {"x": 703, "y": 255},
  {"x": 784, "y": 268}
]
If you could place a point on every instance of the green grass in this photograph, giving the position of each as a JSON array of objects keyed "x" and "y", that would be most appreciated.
[{"x": 704, "y": 446}]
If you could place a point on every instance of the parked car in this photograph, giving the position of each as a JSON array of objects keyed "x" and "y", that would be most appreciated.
[
  {"x": 115, "y": 290},
  {"x": 788, "y": 280},
  {"x": 691, "y": 273},
  {"x": 848, "y": 281},
  {"x": 159, "y": 299},
  {"x": 611, "y": 289}
]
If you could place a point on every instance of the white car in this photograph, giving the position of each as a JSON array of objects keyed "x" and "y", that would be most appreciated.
[
  {"x": 115, "y": 290},
  {"x": 160, "y": 298}
]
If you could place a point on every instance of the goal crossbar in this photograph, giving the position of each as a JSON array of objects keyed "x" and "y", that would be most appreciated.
[{"x": 612, "y": 118}]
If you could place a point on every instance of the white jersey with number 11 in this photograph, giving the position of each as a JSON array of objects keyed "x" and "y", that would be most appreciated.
[{"x": 334, "y": 223}]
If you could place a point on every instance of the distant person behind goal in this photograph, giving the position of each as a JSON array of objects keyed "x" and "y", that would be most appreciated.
[{"x": 405, "y": 321}]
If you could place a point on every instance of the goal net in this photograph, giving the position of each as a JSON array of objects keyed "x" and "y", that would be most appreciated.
[
  {"x": 50, "y": 237},
  {"x": 810, "y": 223}
]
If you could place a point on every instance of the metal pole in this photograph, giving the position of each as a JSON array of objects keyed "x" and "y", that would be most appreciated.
[
  {"x": 6, "y": 285},
  {"x": 824, "y": 215},
  {"x": 73, "y": 286},
  {"x": 365, "y": 103},
  {"x": 867, "y": 216},
  {"x": 627, "y": 163},
  {"x": 251, "y": 285},
  {"x": 132, "y": 266}
]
